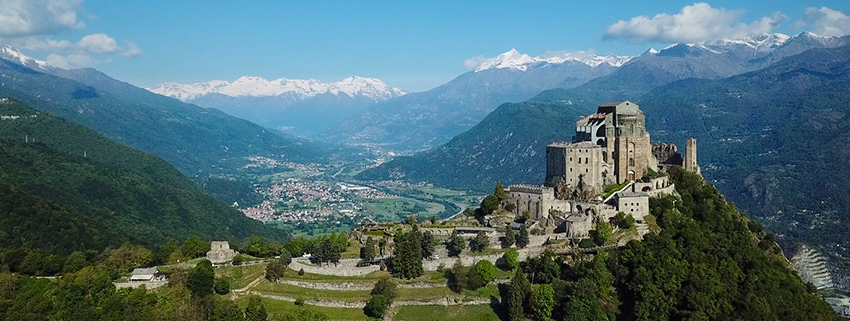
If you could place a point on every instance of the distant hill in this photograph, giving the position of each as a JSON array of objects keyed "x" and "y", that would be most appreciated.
[
  {"x": 196, "y": 140},
  {"x": 65, "y": 187},
  {"x": 428, "y": 119},
  {"x": 295, "y": 106}
]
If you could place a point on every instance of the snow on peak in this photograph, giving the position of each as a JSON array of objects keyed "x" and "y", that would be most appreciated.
[
  {"x": 14, "y": 55},
  {"x": 512, "y": 59},
  {"x": 758, "y": 42},
  {"x": 251, "y": 86}
]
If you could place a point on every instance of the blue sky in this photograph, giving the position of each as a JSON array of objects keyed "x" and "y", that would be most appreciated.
[{"x": 414, "y": 46}]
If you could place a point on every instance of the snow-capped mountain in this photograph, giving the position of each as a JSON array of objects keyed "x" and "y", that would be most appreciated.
[
  {"x": 12, "y": 54},
  {"x": 515, "y": 60},
  {"x": 248, "y": 86},
  {"x": 427, "y": 119},
  {"x": 298, "y": 106}
]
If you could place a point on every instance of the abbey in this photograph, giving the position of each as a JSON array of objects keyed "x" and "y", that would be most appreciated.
[{"x": 611, "y": 149}]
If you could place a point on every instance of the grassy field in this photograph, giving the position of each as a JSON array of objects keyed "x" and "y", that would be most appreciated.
[
  {"x": 277, "y": 309},
  {"x": 311, "y": 294},
  {"x": 448, "y": 313},
  {"x": 291, "y": 274},
  {"x": 240, "y": 276}
]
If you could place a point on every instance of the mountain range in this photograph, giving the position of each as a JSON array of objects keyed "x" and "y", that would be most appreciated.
[
  {"x": 298, "y": 106},
  {"x": 198, "y": 141},
  {"x": 427, "y": 119}
]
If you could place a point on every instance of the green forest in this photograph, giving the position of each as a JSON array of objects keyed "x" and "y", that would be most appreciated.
[{"x": 66, "y": 188}]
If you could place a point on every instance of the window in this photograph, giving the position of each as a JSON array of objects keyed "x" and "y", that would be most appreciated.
[
  {"x": 579, "y": 160},
  {"x": 631, "y": 162},
  {"x": 585, "y": 161}
]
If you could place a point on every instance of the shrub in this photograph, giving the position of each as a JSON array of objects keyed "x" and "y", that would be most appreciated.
[
  {"x": 299, "y": 301},
  {"x": 486, "y": 270},
  {"x": 301, "y": 272},
  {"x": 510, "y": 259},
  {"x": 586, "y": 243},
  {"x": 376, "y": 306},
  {"x": 222, "y": 286}
]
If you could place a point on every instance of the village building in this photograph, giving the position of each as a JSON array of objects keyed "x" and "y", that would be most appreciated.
[
  {"x": 220, "y": 252},
  {"x": 146, "y": 275}
]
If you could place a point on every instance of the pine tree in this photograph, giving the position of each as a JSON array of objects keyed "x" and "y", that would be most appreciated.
[
  {"x": 255, "y": 311},
  {"x": 518, "y": 294},
  {"x": 455, "y": 245},
  {"x": 499, "y": 191},
  {"x": 510, "y": 236},
  {"x": 427, "y": 244},
  {"x": 407, "y": 256},
  {"x": 480, "y": 242},
  {"x": 523, "y": 238}
]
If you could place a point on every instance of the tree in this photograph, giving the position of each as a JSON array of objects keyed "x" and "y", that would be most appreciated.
[
  {"x": 428, "y": 244},
  {"x": 486, "y": 270},
  {"x": 195, "y": 247},
  {"x": 377, "y": 305},
  {"x": 523, "y": 238},
  {"x": 480, "y": 242},
  {"x": 518, "y": 292},
  {"x": 455, "y": 245},
  {"x": 386, "y": 287},
  {"x": 499, "y": 192},
  {"x": 407, "y": 256},
  {"x": 165, "y": 251},
  {"x": 489, "y": 204},
  {"x": 255, "y": 311},
  {"x": 200, "y": 279},
  {"x": 222, "y": 286},
  {"x": 543, "y": 268},
  {"x": 511, "y": 258},
  {"x": 367, "y": 251},
  {"x": 275, "y": 270},
  {"x": 510, "y": 236},
  {"x": 542, "y": 302},
  {"x": 603, "y": 232}
]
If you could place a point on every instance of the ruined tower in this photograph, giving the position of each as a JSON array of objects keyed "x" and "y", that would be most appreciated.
[{"x": 691, "y": 156}]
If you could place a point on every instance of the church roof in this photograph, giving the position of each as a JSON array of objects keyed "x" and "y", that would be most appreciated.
[{"x": 611, "y": 104}]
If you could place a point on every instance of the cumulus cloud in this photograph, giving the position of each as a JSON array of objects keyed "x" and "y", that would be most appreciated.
[
  {"x": 695, "y": 23},
  {"x": 71, "y": 61},
  {"x": 98, "y": 43},
  {"x": 826, "y": 21},
  {"x": 38, "y": 17}
]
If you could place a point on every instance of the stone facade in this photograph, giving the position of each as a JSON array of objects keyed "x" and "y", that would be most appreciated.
[
  {"x": 580, "y": 165},
  {"x": 220, "y": 252},
  {"x": 691, "y": 157},
  {"x": 537, "y": 200},
  {"x": 636, "y": 204}
]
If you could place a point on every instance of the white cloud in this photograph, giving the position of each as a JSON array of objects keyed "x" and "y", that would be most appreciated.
[
  {"x": 38, "y": 17},
  {"x": 695, "y": 23},
  {"x": 475, "y": 61},
  {"x": 98, "y": 43},
  {"x": 132, "y": 50},
  {"x": 71, "y": 61},
  {"x": 826, "y": 21}
]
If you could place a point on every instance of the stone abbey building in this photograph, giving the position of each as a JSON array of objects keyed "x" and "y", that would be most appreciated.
[{"x": 611, "y": 146}]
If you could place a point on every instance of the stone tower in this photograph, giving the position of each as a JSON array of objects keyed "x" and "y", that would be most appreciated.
[
  {"x": 627, "y": 140},
  {"x": 691, "y": 156}
]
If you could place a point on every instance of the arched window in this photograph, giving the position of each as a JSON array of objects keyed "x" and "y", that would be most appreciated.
[{"x": 631, "y": 162}]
